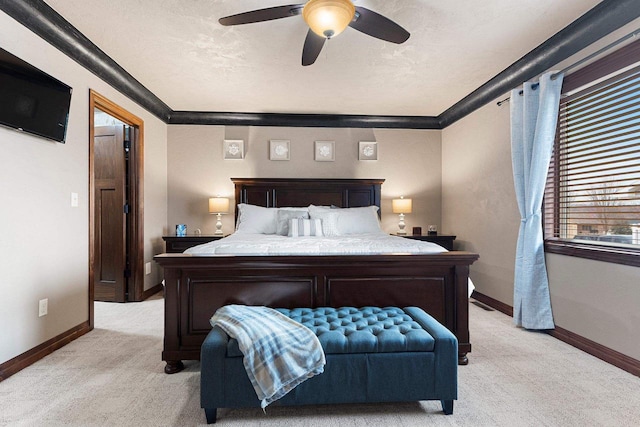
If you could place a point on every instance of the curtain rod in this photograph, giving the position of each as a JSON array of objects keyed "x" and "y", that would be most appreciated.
[{"x": 582, "y": 61}]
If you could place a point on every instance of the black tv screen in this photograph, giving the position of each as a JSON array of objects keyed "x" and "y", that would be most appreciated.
[{"x": 31, "y": 100}]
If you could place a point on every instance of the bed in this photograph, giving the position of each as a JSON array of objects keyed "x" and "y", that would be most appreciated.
[{"x": 196, "y": 285}]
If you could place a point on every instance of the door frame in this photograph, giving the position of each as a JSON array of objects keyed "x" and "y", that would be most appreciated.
[{"x": 135, "y": 287}]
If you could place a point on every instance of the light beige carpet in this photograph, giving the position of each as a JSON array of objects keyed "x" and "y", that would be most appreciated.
[{"x": 113, "y": 376}]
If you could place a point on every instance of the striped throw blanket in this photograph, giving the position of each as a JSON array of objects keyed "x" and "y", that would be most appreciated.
[{"x": 279, "y": 353}]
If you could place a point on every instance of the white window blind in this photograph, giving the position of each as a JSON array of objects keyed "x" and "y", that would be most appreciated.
[{"x": 593, "y": 186}]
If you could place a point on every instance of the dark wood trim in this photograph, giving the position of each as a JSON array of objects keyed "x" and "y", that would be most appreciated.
[
  {"x": 151, "y": 292},
  {"x": 601, "y": 20},
  {"x": 598, "y": 252},
  {"x": 92, "y": 211},
  {"x": 606, "y": 354},
  {"x": 611, "y": 356},
  {"x": 302, "y": 120},
  {"x": 30, "y": 357},
  {"x": 137, "y": 194}
]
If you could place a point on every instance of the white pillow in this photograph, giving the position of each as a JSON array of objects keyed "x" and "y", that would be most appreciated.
[
  {"x": 284, "y": 215},
  {"x": 256, "y": 219},
  {"x": 329, "y": 218},
  {"x": 305, "y": 227},
  {"x": 339, "y": 222},
  {"x": 358, "y": 220}
]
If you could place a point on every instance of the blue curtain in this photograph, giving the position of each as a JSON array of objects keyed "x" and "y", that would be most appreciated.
[{"x": 534, "y": 115}]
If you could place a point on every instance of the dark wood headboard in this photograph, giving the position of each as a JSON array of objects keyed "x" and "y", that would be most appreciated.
[{"x": 298, "y": 192}]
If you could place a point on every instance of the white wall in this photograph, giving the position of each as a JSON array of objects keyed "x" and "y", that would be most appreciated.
[
  {"x": 43, "y": 240},
  {"x": 409, "y": 160}
]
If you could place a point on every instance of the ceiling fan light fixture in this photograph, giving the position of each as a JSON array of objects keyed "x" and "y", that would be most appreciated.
[{"x": 328, "y": 18}]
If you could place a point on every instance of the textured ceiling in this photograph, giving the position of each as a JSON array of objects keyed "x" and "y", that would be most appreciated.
[{"x": 177, "y": 49}]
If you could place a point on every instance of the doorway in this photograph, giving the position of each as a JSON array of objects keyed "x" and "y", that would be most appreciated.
[{"x": 116, "y": 246}]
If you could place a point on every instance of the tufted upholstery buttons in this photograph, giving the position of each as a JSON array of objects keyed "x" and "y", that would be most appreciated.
[{"x": 363, "y": 330}]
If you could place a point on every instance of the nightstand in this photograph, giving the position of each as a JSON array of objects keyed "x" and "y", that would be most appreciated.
[
  {"x": 176, "y": 244},
  {"x": 442, "y": 240}
]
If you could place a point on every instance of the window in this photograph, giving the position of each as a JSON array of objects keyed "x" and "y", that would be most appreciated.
[{"x": 592, "y": 197}]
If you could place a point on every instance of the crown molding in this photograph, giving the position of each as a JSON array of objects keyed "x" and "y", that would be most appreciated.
[
  {"x": 303, "y": 120},
  {"x": 601, "y": 20}
]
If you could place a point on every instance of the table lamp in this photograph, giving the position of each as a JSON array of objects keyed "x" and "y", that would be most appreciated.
[
  {"x": 218, "y": 206},
  {"x": 401, "y": 206}
]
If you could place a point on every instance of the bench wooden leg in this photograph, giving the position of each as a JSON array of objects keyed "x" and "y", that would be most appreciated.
[
  {"x": 211, "y": 414},
  {"x": 447, "y": 406},
  {"x": 463, "y": 359}
]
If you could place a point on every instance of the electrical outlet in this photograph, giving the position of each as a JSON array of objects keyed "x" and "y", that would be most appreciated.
[
  {"x": 43, "y": 307},
  {"x": 147, "y": 268}
]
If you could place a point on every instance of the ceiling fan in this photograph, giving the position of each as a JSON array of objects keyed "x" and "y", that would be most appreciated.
[{"x": 326, "y": 19}]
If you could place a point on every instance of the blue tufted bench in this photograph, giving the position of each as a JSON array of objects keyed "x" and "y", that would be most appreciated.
[{"x": 373, "y": 355}]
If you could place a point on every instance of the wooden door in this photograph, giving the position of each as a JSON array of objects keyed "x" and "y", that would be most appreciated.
[{"x": 110, "y": 214}]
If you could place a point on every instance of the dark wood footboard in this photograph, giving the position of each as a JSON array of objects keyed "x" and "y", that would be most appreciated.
[{"x": 196, "y": 286}]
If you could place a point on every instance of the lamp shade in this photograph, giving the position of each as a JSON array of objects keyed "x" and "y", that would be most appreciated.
[
  {"x": 328, "y": 18},
  {"x": 218, "y": 205},
  {"x": 401, "y": 205}
]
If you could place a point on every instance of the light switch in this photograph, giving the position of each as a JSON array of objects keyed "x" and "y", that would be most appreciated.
[{"x": 74, "y": 200}]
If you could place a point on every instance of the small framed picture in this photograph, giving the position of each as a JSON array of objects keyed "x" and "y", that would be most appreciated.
[
  {"x": 325, "y": 151},
  {"x": 233, "y": 149},
  {"x": 279, "y": 149},
  {"x": 368, "y": 150}
]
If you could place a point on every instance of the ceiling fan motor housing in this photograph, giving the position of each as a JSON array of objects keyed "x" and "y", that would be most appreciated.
[{"x": 328, "y": 18}]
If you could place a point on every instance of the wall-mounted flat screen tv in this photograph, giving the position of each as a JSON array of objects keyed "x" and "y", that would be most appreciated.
[{"x": 31, "y": 100}]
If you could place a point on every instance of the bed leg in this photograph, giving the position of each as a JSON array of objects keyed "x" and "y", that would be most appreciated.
[
  {"x": 462, "y": 359},
  {"x": 173, "y": 366},
  {"x": 447, "y": 406},
  {"x": 211, "y": 414}
]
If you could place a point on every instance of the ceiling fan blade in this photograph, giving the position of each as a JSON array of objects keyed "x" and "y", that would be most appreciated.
[
  {"x": 260, "y": 15},
  {"x": 312, "y": 47},
  {"x": 378, "y": 26}
]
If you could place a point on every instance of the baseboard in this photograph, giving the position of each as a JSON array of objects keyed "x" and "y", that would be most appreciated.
[
  {"x": 493, "y": 303},
  {"x": 29, "y": 357},
  {"x": 618, "y": 359},
  {"x": 606, "y": 354},
  {"x": 151, "y": 291}
]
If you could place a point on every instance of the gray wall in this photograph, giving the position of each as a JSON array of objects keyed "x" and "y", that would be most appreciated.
[
  {"x": 43, "y": 240},
  {"x": 409, "y": 160},
  {"x": 478, "y": 199},
  {"x": 596, "y": 300}
]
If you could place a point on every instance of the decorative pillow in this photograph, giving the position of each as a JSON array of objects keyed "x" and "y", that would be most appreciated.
[
  {"x": 256, "y": 219},
  {"x": 329, "y": 218},
  {"x": 284, "y": 215},
  {"x": 305, "y": 227}
]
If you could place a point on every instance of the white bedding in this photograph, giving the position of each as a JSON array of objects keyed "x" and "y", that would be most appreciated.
[{"x": 353, "y": 244}]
